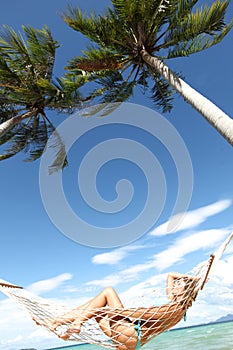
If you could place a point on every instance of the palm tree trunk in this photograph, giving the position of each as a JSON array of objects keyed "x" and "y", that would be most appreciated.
[
  {"x": 214, "y": 115},
  {"x": 10, "y": 123}
]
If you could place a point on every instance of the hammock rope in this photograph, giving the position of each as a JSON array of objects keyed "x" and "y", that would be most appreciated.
[{"x": 96, "y": 322}]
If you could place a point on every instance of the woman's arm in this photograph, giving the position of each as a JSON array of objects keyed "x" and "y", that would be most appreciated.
[
  {"x": 171, "y": 277},
  {"x": 154, "y": 313},
  {"x": 135, "y": 313}
]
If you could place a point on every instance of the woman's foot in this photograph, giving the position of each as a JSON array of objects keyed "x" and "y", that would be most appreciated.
[
  {"x": 71, "y": 327},
  {"x": 53, "y": 324},
  {"x": 74, "y": 328}
]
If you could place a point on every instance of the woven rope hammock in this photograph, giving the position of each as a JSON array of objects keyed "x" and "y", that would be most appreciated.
[{"x": 115, "y": 328}]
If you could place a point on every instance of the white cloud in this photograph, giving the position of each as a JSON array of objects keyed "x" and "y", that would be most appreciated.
[
  {"x": 207, "y": 239},
  {"x": 127, "y": 275},
  {"x": 192, "y": 218},
  {"x": 175, "y": 253},
  {"x": 48, "y": 285},
  {"x": 115, "y": 256},
  {"x": 188, "y": 244},
  {"x": 222, "y": 271}
]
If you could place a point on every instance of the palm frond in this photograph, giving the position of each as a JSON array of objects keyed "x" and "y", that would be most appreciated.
[
  {"x": 179, "y": 10},
  {"x": 197, "y": 44},
  {"x": 208, "y": 21},
  {"x": 118, "y": 92},
  {"x": 67, "y": 97},
  {"x": 144, "y": 76},
  {"x": 145, "y": 18},
  {"x": 88, "y": 26},
  {"x": 95, "y": 60},
  {"x": 16, "y": 142},
  {"x": 107, "y": 31},
  {"x": 125, "y": 9},
  {"x": 7, "y": 75},
  {"x": 7, "y": 111},
  {"x": 161, "y": 92},
  {"x": 59, "y": 153},
  {"x": 13, "y": 43},
  {"x": 7, "y": 137},
  {"x": 31, "y": 138},
  {"x": 42, "y": 48},
  {"x": 22, "y": 62}
]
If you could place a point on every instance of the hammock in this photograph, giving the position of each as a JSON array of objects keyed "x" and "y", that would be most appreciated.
[{"x": 155, "y": 319}]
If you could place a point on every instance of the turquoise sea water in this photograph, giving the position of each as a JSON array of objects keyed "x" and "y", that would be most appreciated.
[{"x": 208, "y": 337}]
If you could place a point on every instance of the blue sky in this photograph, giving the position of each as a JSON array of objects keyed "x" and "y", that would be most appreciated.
[{"x": 37, "y": 255}]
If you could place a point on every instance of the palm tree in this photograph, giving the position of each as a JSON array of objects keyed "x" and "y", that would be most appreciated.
[
  {"x": 134, "y": 38},
  {"x": 28, "y": 91}
]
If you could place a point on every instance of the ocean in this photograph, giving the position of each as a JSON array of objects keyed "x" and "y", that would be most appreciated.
[{"x": 217, "y": 336}]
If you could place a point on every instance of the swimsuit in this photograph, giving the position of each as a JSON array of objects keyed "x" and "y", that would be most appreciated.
[
  {"x": 137, "y": 327},
  {"x": 139, "y": 333}
]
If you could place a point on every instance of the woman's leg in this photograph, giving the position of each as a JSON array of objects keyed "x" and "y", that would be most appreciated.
[
  {"x": 80, "y": 314},
  {"x": 107, "y": 297},
  {"x": 95, "y": 307},
  {"x": 122, "y": 332}
]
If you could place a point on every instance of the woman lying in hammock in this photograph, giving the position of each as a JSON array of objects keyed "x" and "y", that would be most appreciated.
[{"x": 131, "y": 328}]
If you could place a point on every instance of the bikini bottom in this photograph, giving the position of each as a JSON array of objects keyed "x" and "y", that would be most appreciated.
[{"x": 137, "y": 328}]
